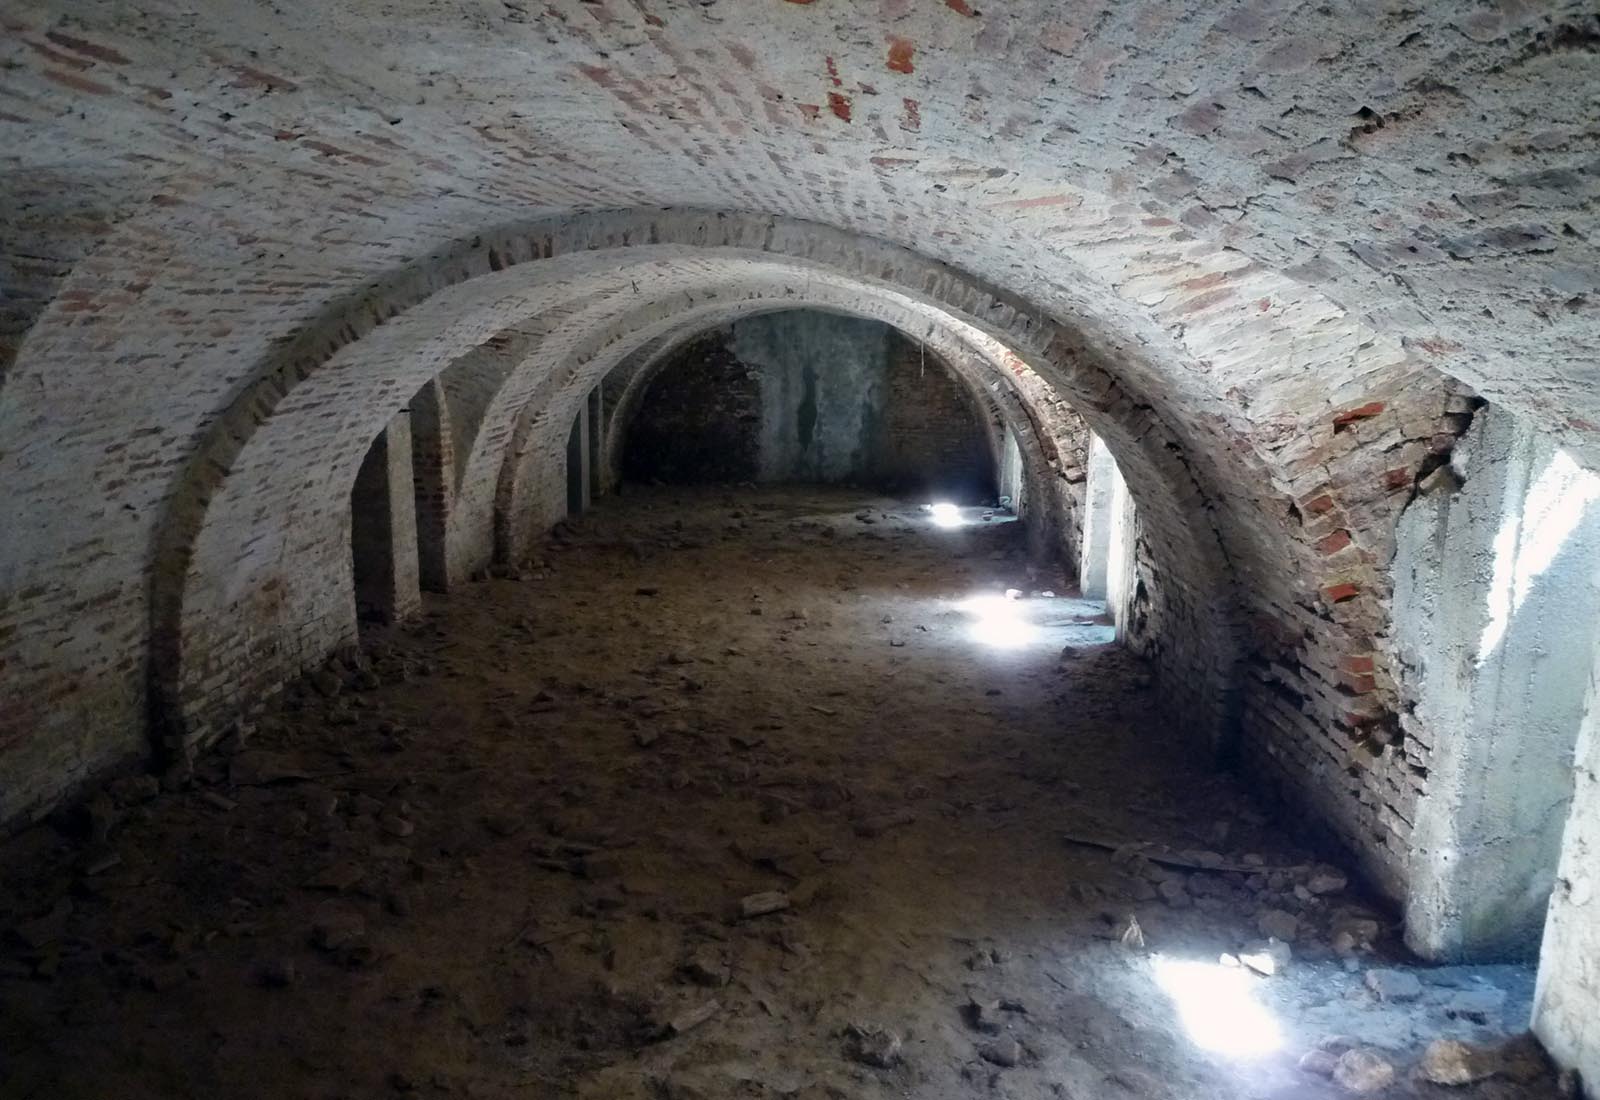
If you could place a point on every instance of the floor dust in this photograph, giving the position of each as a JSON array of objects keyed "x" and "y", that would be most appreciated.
[{"x": 731, "y": 794}]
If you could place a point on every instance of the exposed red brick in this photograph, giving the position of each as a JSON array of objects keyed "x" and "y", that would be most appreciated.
[
  {"x": 80, "y": 83},
  {"x": 1358, "y": 663},
  {"x": 1333, "y": 543},
  {"x": 1339, "y": 593},
  {"x": 256, "y": 78},
  {"x": 57, "y": 56},
  {"x": 900, "y": 51},
  {"x": 1364, "y": 412},
  {"x": 87, "y": 48},
  {"x": 1037, "y": 201},
  {"x": 1360, "y": 684}
]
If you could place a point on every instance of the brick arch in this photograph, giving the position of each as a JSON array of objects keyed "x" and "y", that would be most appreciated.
[
  {"x": 634, "y": 369},
  {"x": 288, "y": 388},
  {"x": 518, "y": 515},
  {"x": 1163, "y": 484},
  {"x": 1257, "y": 452},
  {"x": 632, "y": 377}
]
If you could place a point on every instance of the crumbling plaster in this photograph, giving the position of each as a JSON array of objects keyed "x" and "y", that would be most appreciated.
[
  {"x": 1497, "y": 616},
  {"x": 1569, "y": 979}
]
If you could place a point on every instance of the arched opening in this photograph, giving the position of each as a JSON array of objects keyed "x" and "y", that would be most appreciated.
[{"x": 804, "y": 396}]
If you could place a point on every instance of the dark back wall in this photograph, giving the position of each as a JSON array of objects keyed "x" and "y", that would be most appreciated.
[{"x": 806, "y": 396}]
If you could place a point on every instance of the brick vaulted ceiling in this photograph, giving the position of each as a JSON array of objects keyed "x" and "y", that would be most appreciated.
[{"x": 1423, "y": 174}]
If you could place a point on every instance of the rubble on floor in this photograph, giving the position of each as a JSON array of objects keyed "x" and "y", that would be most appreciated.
[{"x": 667, "y": 812}]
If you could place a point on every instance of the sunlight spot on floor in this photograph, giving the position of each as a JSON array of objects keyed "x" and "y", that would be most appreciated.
[
  {"x": 1000, "y": 621},
  {"x": 946, "y": 514},
  {"x": 1217, "y": 1007}
]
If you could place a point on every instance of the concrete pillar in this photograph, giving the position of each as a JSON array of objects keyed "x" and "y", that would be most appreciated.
[
  {"x": 432, "y": 464},
  {"x": 578, "y": 463},
  {"x": 383, "y": 528},
  {"x": 1122, "y": 568},
  {"x": 1011, "y": 479},
  {"x": 597, "y": 442},
  {"x": 1497, "y": 613},
  {"x": 1566, "y": 1012},
  {"x": 1099, "y": 520}
]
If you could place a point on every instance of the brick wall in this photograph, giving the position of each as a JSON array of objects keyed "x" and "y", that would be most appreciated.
[
  {"x": 1321, "y": 702},
  {"x": 699, "y": 420},
  {"x": 932, "y": 438},
  {"x": 709, "y": 415}
]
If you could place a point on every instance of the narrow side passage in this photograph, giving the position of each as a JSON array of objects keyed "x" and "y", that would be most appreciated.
[{"x": 569, "y": 835}]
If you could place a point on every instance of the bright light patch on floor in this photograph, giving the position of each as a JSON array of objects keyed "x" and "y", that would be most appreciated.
[
  {"x": 999, "y": 621},
  {"x": 946, "y": 514},
  {"x": 1217, "y": 1007},
  {"x": 1529, "y": 540}
]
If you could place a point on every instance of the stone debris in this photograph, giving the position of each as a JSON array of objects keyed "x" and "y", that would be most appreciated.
[
  {"x": 1319, "y": 1062},
  {"x": 1004, "y": 1052},
  {"x": 1326, "y": 880},
  {"x": 692, "y": 1017},
  {"x": 395, "y": 825},
  {"x": 337, "y": 929},
  {"x": 1452, "y": 1062},
  {"x": 706, "y": 968},
  {"x": 641, "y": 934},
  {"x": 1350, "y": 935},
  {"x": 1267, "y": 959},
  {"x": 1363, "y": 1071},
  {"x": 983, "y": 1015},
  {"x": 759, "y": 905},
  {"x": 1393, "y": 985},
  {"x": 872, "y": 1045},
  {"x": 1278, "y": 924}
]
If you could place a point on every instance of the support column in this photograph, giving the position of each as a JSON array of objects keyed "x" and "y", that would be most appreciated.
[
  {"x": 578, "y": 463},
  {"x": 433, "y": 471},
  {"x": 383, "y": 528},
  {"x": 1099, "y": 520},
  {"x": 1122, "y": 564},
  {"x": 1497, "y": 615},
  {"x": 1566, "y": 1007},
  {"x": 597, "y": 442},
  {"x": 1011, "y": 479}
]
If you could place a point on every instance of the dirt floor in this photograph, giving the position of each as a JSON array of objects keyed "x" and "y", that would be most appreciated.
[{"x": 730, "y": 795}]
